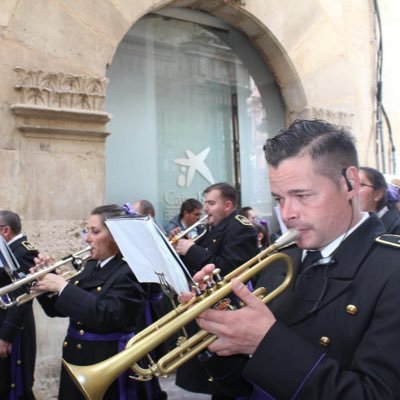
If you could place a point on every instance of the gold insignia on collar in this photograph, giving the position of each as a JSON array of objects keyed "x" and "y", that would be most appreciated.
[
  {"x": 389, "y": 240},
  {"x": 243, "y": 220},
  {"x": 28, "y": 246}
]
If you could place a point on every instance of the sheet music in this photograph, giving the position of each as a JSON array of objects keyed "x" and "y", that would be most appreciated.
[
  {"x": 8, "y": 260},
  {"x": 147, "y": 251}
]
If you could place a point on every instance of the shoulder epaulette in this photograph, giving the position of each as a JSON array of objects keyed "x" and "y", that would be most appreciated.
[
  {"x": 243, "y": 220},
  {"x": 389, "y": 240},
  {"x": 29, "y": 246}
]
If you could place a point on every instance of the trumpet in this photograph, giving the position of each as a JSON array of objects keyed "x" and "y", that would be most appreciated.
[
  {"x": 182, "y": 234},
  {"x": 87, "y": 377},
  {"x": 77, "y": 259}
]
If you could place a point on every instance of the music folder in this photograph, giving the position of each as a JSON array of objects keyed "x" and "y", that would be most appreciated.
[
  {"x": 148, "y": 252},
  {"x": 8, "y": 261}
]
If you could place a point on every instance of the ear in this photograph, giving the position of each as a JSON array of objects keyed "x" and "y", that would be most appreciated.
[
  {"x": 228, "y": 205},
  {"x": 7, "y": 233},
  {"x": 379, "y": 195},
  {"x": 351, "y": 181}
]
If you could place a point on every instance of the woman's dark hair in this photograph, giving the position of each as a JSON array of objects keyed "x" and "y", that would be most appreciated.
[
  {"x": 109, "y": 211},
  {"x": 262, "y": 229},
  {"x": 378, "y": 182}
]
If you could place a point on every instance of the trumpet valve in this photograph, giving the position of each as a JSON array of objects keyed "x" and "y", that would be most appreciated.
[
  {"x": 217, "y": 275},
  {"x": 210, "y": 284},
  {"x": 196, "y": 290}
]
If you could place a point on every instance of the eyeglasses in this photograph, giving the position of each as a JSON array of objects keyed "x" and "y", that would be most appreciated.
[{"x": 366, "y": 184}]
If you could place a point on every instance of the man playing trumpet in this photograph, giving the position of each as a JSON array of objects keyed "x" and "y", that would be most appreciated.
[
  {"x": 333, "y": 334},
  {"x": 17, "y": 324},
  {"x": 230, "y": 240}
]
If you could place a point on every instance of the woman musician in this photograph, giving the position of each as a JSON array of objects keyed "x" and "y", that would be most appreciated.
[{"x": 103, "y": 304}]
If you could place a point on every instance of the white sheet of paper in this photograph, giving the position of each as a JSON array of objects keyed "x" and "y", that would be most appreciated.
[
  {"x": 7, "y": 258},
  {"x": 148, "y": 251}
]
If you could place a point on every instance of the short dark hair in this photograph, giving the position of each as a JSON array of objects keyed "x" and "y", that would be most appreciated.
[
  {"x": 378, "y": 182},
  {"x": 12, "y": 220},
  {"x": 227, "y": 191},
  {"x": 146, "y": 208},
  {"x": 323, "y": 141},
  {"x": 245, "y": 211},
  {"x": 109, "y": 211},
  {"x": 189, "y": 205}
]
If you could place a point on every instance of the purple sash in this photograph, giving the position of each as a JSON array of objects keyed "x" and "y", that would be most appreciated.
[{"x": 127, "y": 386}]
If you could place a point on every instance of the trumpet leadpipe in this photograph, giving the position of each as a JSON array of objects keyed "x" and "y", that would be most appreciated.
[{"x": 30, "y": 278}]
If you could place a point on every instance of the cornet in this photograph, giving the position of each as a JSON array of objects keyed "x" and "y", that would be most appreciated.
[
  {"x": 77, "y": 259},
  {"x": 93, "y": 380}
]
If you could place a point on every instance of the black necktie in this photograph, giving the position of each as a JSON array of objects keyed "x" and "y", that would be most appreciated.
[
  {"x": 96, "y": 268},
  {"x": 310, "y": 258},
  {"x": 311, "y": 282}
]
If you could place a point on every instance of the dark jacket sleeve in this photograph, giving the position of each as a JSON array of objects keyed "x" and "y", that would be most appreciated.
[
  {"x": 101, "y": 314},
  {"x": 239, "y": 245}
]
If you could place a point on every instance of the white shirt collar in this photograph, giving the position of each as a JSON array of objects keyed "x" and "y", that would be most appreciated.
[
  {"x": 104, "y": 262},
  {"x": 382, "y": 212},
  {"x": 15, "y": 238},
  {"x": 332, "y": 246}
]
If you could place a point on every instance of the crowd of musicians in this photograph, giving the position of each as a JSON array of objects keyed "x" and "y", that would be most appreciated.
[{"x": 333, "y": 334}]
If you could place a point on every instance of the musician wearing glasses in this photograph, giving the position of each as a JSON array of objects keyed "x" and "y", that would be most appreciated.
[
  {"x": 189, "y": 214},
  {"x": 334, "y": 333},
  {"x": 230, "y": 240},
  {"x": 103, "y": 304},
  {"x": 17, "y": 325},
  {"x": 375, "y": 197}
]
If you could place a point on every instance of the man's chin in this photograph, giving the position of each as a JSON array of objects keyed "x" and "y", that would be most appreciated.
[{"x": 306, "y": 242}]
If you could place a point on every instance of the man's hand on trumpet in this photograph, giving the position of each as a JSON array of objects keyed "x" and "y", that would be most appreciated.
[
  {"x": 50, "y": 282},
  {"x": 183, "y": 245},
  {"x": 239, "y": 331}
]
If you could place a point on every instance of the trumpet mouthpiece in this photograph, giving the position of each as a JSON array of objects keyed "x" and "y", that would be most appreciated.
[{"x": 290, "y": 236}]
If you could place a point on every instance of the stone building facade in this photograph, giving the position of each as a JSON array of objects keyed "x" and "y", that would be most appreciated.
[{"x": 54, "y": 57}]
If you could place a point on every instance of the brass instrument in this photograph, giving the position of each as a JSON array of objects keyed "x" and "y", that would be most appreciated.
[
  {"x": 182, "y": 234},
  {"x": 76, "y": 259},
  {"x": 93, "y": 380}
]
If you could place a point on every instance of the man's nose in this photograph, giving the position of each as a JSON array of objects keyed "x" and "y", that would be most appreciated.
[{"x": 288, "y": 211}]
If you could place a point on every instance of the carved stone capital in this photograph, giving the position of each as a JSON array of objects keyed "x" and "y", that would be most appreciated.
[
  {"x": 60, "y": 105},
  {"x": 60, "y": 90}
]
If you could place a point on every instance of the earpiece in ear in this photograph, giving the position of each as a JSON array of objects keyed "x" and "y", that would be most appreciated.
[{"x": 349, "y": 186}]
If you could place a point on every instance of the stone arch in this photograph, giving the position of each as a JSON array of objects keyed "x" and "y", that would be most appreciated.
[{"x": 263, "y": 39}]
